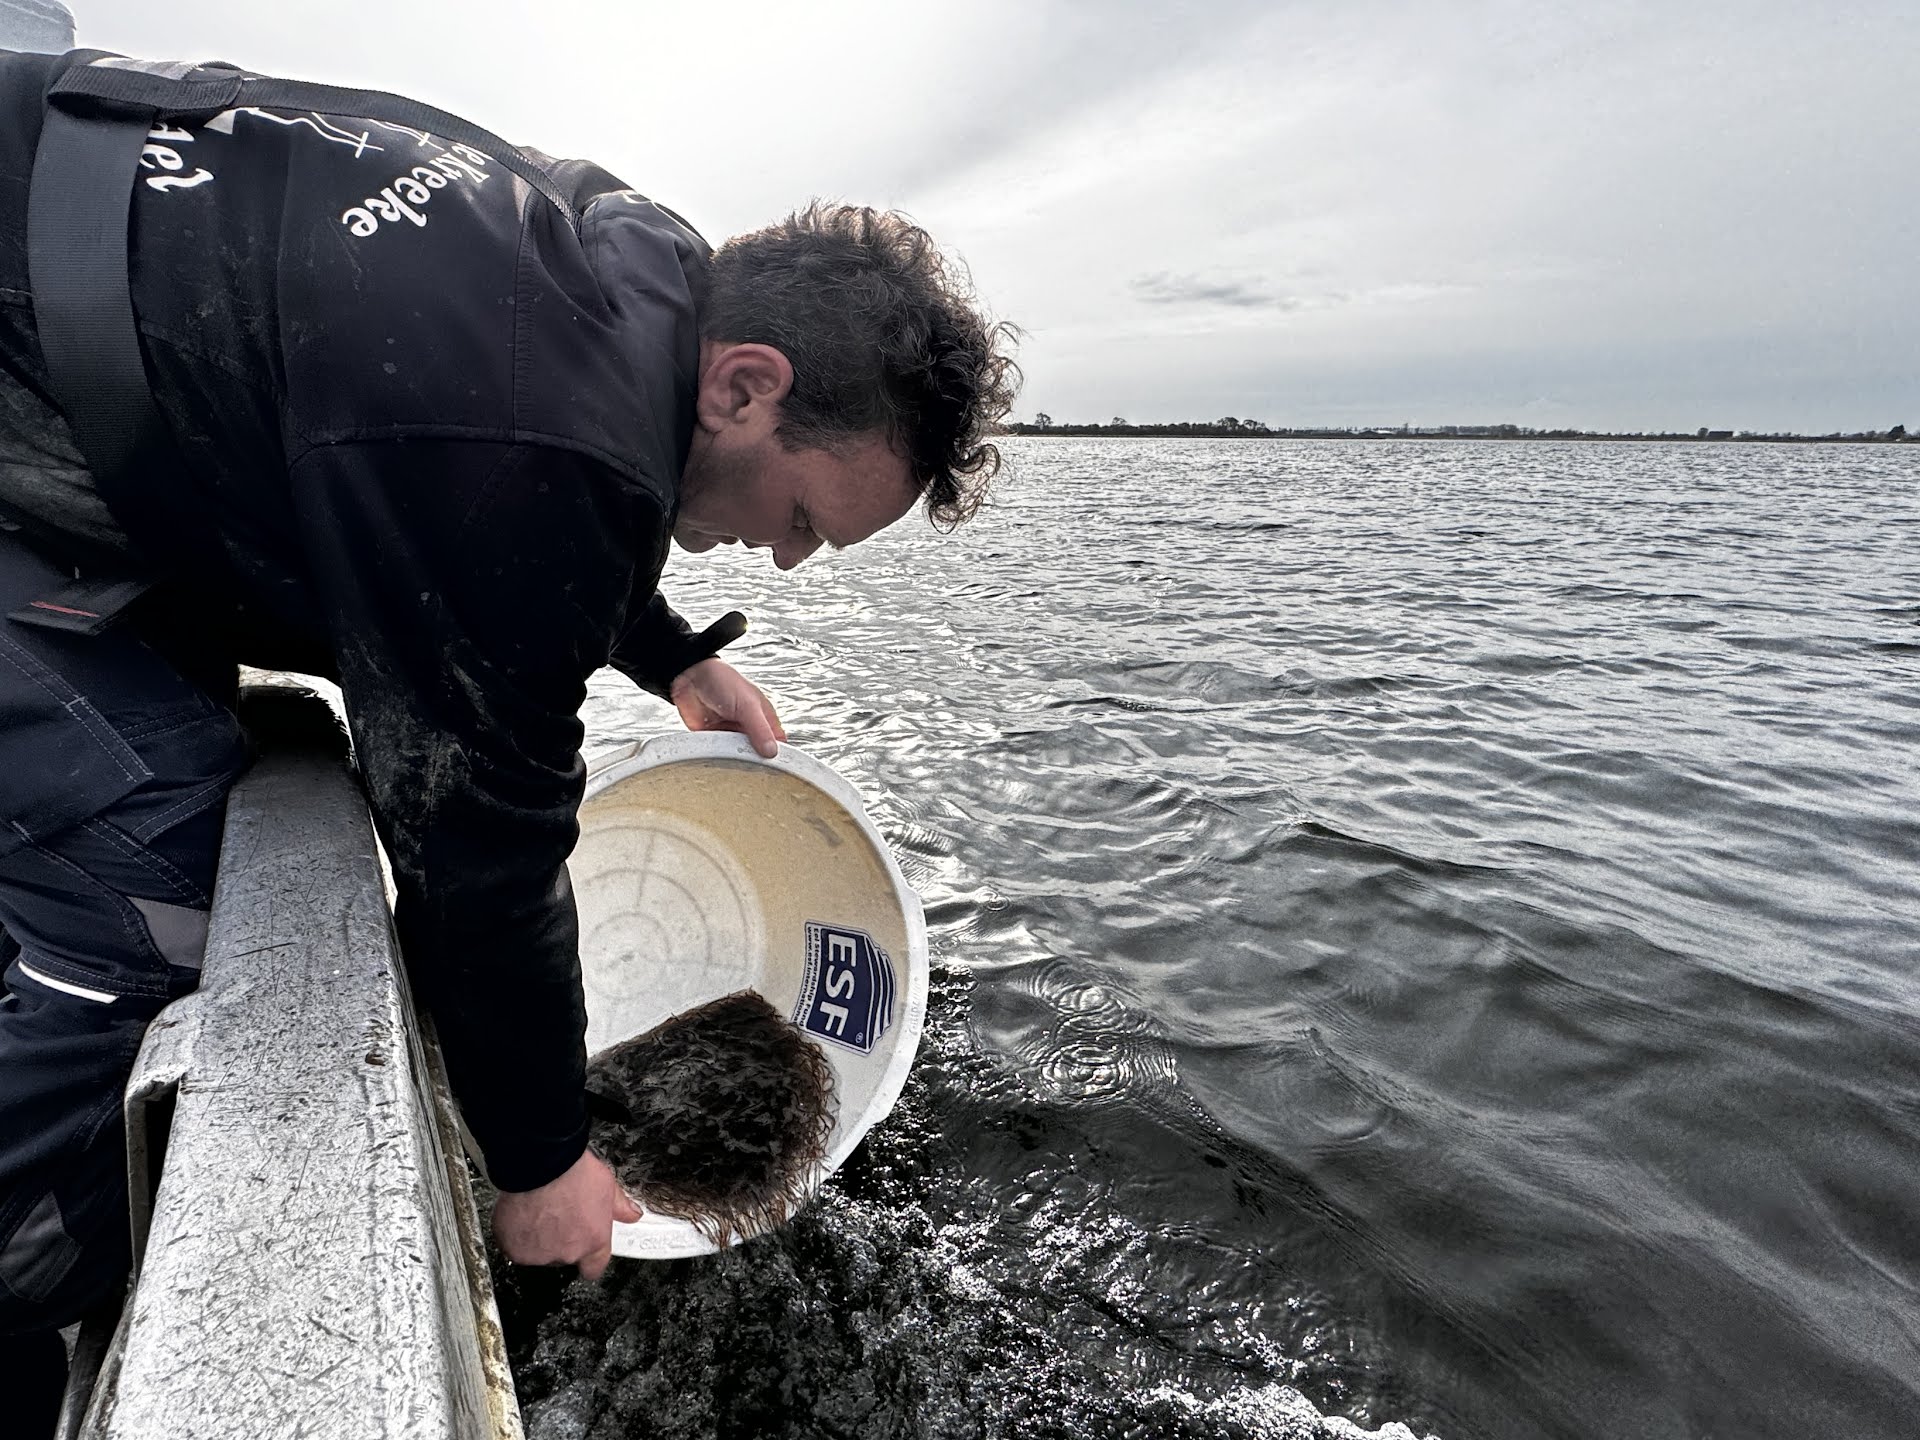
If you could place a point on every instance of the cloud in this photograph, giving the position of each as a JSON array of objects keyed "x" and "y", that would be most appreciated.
[
  {"x": 1165, "y": 288},
  {"x": 1287, "y": 208}
]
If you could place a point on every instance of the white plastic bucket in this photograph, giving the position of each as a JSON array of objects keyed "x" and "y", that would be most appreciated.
[{"x": 703, "y": 869}]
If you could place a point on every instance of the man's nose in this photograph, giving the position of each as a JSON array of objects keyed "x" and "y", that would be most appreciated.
[{"x": 791, "y": 551}]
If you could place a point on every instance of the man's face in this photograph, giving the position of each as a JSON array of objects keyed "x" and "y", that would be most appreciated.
[{"x": 747, "y": 488}]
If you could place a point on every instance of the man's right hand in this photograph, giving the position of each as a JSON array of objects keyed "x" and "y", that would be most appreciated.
[{"x": 568, "y": 1221}]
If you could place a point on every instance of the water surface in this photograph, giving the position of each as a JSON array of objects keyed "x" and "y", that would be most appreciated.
[{"x": 1435, "y": 926}]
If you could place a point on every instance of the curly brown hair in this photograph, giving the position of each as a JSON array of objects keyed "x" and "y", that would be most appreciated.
[{"x": 884, "y": 334}]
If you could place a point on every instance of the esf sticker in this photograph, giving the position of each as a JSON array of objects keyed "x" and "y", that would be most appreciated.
[{"x": 846, "y": 995}]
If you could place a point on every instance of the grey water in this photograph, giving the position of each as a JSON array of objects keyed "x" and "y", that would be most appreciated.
[{"x": 1430, "y": 927}]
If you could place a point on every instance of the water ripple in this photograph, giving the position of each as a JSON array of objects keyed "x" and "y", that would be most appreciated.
[{"x": 1439, "y": 926}]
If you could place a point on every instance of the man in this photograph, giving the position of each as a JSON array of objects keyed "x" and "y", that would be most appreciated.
[{"x": 434, "y": 431}]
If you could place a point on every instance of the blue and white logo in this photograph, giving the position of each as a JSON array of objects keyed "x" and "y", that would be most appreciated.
[{"x": 846, "y": 995}]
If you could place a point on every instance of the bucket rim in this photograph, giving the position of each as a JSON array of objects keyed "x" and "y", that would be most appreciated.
[{"x": 660, "y": 1237}]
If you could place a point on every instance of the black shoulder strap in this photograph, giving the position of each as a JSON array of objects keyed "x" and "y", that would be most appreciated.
[
  {"x": 77, "y": 213},
  {"x": 99, "y": 115}
]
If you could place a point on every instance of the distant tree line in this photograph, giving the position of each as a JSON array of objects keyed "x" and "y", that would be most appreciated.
[{"x": 1233, "y": 427}]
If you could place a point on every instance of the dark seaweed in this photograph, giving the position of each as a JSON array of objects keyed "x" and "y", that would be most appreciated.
[{"x": 728, "y": 1112}]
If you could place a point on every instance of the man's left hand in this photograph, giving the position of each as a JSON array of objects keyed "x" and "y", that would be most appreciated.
[
  {"x": 568, "y": 1221},
  {"x": 714, "y": 696}
]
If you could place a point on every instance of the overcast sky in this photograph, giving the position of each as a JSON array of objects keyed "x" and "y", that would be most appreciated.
[{"x": 1611, "y": 215}]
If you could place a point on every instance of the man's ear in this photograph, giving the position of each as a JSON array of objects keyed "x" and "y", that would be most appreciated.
[{"x": 741, "y": 385}]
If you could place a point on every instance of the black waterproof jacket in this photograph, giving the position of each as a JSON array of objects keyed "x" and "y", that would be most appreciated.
[{"x": 440, "y": 435}]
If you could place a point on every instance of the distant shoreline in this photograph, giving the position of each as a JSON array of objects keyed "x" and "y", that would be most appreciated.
[{"x": 1187, "y": 430}]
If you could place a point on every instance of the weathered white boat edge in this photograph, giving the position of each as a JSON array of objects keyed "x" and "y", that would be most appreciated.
[{"x": 308, "y": 1255}]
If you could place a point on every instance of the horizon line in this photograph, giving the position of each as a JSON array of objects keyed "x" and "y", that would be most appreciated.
[{"x": 1230, "y": 427}]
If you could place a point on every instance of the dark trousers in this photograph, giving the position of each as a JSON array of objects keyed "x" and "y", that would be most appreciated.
[{"x": 114, "y": 774}]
